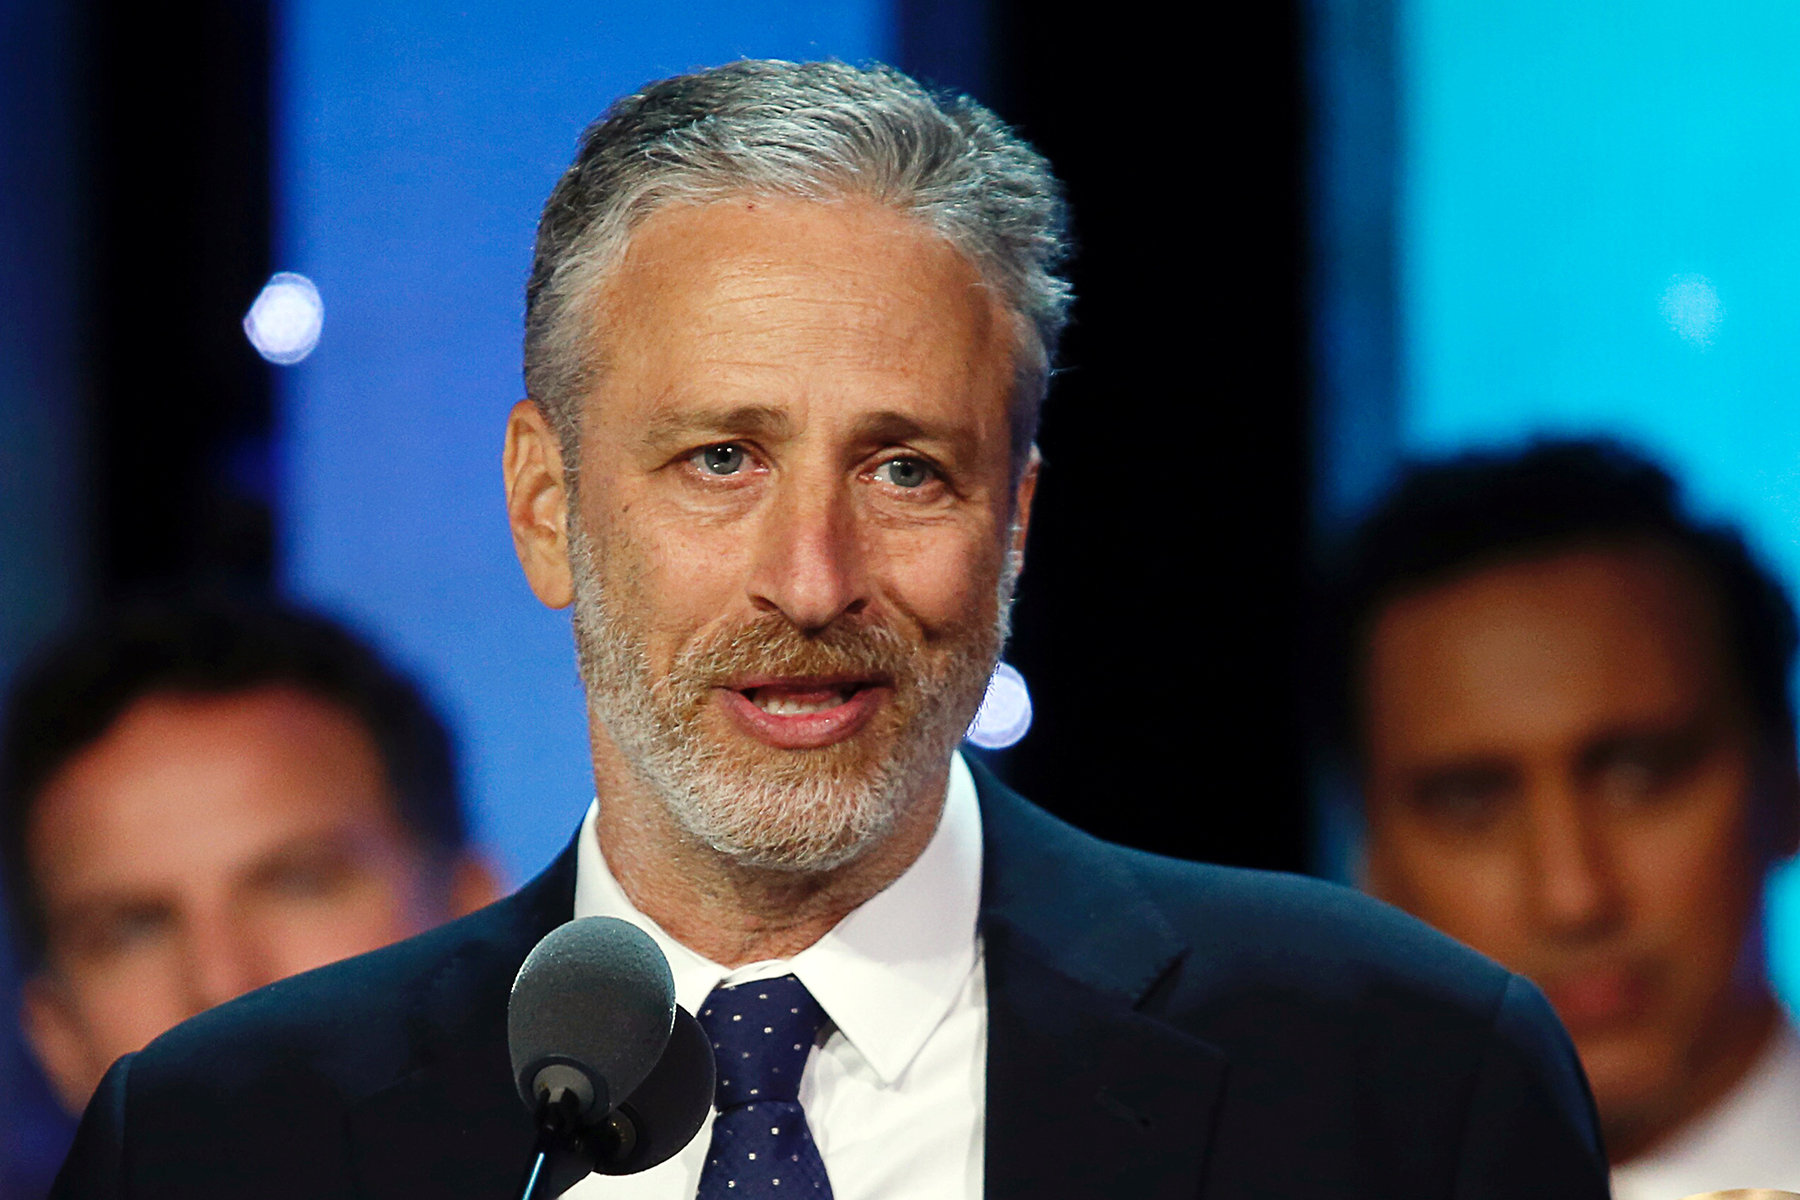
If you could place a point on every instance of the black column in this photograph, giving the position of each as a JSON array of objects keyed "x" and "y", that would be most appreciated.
[
  {"x": 178, "y": 151},
  {"x": 1159, "y": 613}
]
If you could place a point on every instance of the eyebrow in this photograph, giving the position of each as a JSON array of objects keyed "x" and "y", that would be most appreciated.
[
  {"x": 890, "y": 426},
  {"x": 755, "y": 420},
  {"x": 767, "y": 421},
  {"x": 1681, "y": 741},
  {"x": 64, "y": 921}
]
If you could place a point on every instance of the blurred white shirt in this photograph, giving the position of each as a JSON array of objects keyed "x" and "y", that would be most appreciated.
[
  {"x": 1750, "y": 1139},
  {"x": 896, "y": 1095}
]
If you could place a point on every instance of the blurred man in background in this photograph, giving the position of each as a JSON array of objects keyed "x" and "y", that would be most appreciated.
[
  {"x": 1568, "y": 706},
  {"x": 196, "y": 800}
]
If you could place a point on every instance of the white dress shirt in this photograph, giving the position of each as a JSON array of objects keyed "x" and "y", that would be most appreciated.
[
  {"x": 896, "y": 1094},
  {"x": 1750, "y": 1139}
]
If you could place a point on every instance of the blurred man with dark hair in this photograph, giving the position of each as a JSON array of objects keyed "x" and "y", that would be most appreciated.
[
  {"x": 1567, "y": 702},
  {"x": 198, "y": 799}
]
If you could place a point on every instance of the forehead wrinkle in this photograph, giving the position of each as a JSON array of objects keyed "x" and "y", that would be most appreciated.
[
  {"x": 848, "y": 326},
  {"x": 834, "y": 336},
  {"x": 766, "y": 273},
  {"x": 913, "y": 311}
]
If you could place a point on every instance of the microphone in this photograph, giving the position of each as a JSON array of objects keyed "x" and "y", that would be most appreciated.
[
  {"x": 616, "y": 1075},
  {"x": 591, "y": 1011},
  {"x": 669, "y": 1107}
]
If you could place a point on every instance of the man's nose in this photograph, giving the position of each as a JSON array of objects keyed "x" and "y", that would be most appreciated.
[
  {"x": 1569, "y": 865},
  {"x": 224, "y": 961},
  {"x": 809, "y": 559}
]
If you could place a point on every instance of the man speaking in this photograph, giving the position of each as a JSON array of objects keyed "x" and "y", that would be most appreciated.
[{"x": 788, "y": 328}]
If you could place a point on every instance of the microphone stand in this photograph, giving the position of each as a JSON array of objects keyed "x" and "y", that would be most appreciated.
[
  {"x": 557, "y": 1124},
  {"x": 565, "y": 1145},
  {"x": 536, "y": 1173}
]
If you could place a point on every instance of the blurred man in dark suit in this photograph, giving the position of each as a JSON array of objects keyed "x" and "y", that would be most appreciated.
[
  {"x": 199, "y": 799},
  {"x": 1568, "y": 703},
  {"x": 788, "y": 329}
]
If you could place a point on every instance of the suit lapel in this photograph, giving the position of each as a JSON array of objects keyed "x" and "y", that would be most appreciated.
[
  {"x": 452, "y": 1125},
  {"x": 1087, "y": 1095}
]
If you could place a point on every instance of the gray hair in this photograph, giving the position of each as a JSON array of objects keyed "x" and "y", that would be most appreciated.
[{"x": 812, "y": 131}]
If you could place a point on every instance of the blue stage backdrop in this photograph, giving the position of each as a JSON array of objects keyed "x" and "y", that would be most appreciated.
[
  {"x": 417, "y": 141},
  {"x": 1594, "y": 232},
  {"x": 42, "y": 514}
]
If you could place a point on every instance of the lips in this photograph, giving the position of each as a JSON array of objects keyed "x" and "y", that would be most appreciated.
[
  {"x": 1598, "y": 1000},
  {"x": 800, "y": 701},
  {"x": 799, "y": 714}
]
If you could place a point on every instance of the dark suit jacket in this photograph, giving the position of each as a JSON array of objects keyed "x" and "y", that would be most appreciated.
[{"x": 1155, "y": 1029}]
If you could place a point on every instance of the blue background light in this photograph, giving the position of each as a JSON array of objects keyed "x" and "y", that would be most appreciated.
[{"x": 1596, "y": 233}]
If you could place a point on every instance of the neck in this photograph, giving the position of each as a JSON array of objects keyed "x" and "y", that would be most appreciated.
[
  {"x": 1728, "y": 1060},
  {"x": 722, "y": 909}
]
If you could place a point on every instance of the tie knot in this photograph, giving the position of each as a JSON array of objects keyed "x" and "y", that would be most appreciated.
[{"x": 761, "y": 1033}]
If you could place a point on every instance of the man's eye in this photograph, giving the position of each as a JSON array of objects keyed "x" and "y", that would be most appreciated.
[
  {"x": 1629, "y": 778},
  {"x": 309, "y": 879},
  {"x": 1640, "y": 773},
  {"x": 727, "y": 459},
  {"x": 904, "y": 472},
  {"x": 119, "y": 932},
  {"x": 1646, "y": 768},
  {"x": 1465, "y": 798}
]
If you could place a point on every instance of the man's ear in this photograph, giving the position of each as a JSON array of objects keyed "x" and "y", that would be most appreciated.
[
  {"x": 1023, "y": 493},
  {"x": 537, "y": 504},
  {"x": 59, "y": 1041}
]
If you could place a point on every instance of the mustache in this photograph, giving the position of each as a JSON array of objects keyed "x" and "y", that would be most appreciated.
[{"x": 773, "y": 645}]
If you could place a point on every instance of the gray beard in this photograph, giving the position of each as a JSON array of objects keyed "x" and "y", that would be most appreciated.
[{"x": 795, "y": 810}]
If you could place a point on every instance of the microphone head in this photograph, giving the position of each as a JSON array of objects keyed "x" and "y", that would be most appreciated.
[
  {"x": 590, "y": 1014},
  {"x": 668, "y": 1108}
]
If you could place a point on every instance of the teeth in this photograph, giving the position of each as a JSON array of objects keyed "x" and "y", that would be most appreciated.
[{"x": 788, "y": 706}]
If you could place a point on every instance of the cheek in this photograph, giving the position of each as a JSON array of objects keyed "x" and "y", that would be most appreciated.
[
  {"x": 665, "y": 577},
  {"x": 127, "y": 1004},
  {"x": 686, "y": 564},
  {"x": 300, "y": 936},
  {"x": 1467, "y": 888},
  {"x": 680, "y": 587},
  {"x": 945, "y": 582},
  {"x": 1694, "y": 879}
]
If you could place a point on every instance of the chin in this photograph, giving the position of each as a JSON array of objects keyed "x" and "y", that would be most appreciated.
[
  {"x": 1635, "y": 1083},
  {"x": 806, "y": 810},
  {"x": 805, "y": 830}
]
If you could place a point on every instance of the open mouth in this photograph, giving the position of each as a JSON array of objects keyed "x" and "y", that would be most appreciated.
[
  {"x": 803, "y": 713},
  {"x": 801, "y": 700}
]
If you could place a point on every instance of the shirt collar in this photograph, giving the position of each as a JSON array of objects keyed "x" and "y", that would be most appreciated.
[
  {"x": 1745, "y": 1139},
  {"x": 887, "y": 974}
]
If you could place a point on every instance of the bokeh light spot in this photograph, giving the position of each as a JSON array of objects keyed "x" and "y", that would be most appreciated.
[
  {"x": 285, "y": 321},
  {"x": 1005, "y": 712},
  {"x": 1691, "y": 306}
]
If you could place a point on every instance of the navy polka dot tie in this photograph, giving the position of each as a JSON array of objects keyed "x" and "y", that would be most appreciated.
[{"x": 761, "y": 1147}]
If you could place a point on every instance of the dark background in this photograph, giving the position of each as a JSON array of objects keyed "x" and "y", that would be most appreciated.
[
  {"x": 176, "y": 128},
  {"x": 1161, "y": 595}
]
